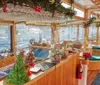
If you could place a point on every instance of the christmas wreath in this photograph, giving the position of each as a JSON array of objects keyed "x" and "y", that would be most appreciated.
[{"x": 47, "y": 5}]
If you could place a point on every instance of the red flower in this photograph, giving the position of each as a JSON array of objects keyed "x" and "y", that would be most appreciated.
[
  {"x": 29, "y": 73},
  {"x": 32, "y": 64},
  {"x": 87, "y": 55},
  {"x": 70, "y": 51}
]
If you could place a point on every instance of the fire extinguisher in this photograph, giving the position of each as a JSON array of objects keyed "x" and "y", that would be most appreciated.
[{"x": 79, "y": 70}]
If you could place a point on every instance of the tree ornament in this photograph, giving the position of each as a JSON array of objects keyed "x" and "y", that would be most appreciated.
[
  {"x": 32, "y": 64},
  {"x": 28, "y": 72}
]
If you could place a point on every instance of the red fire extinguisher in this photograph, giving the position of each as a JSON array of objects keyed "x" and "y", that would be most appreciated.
[{"x": 79, "y": 70}]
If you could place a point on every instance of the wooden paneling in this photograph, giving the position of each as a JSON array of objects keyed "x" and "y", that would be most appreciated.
[
  {"x": 63, "y": 73},
  {"x": 48, "y": 78},
  {"x": 59, "y": 74},
  {"x": 13, "y": 27},
  {"x": 91, "y": 76},
  {"x": 6, "y": 61},
  {"x": 94, "y": 65}
]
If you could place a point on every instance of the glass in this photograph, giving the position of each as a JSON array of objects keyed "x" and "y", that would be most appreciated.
[
  {"x": 5, "y": 38},
  {"x": 79, "y": 12},
  {"x": 25, "y": 34},
  {"x": 67, "y": 33},
  {"x": 92, "y": 31},
  {"x": 81, "y": 33}
]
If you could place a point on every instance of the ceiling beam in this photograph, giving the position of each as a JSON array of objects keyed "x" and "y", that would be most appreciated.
[
  {"x": 6, "y": 21},
  {"x": 77, "y": 5}
]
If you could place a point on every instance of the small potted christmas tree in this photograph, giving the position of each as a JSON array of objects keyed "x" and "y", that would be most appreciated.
[{"x": 18, "y": 75}]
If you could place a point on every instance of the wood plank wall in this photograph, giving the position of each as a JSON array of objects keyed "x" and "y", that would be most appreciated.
[{"x": 63, "y": 73}]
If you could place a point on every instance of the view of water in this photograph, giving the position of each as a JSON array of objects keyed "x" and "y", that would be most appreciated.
[
  {"x": 25, "y": 33},
  {"x": 4, "y": 38}
]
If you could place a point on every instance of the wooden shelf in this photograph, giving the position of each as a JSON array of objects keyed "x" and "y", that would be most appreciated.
[
  {"x": 39, "y": 47},
  {"x": 6, "y": 61}
]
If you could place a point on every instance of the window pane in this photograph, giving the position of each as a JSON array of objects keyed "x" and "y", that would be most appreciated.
[
  {"x": 26, "y": 33},
  {"x": 67, "y": 33},
  {"x": 79, "y": 12},
  {"x": 5, "y": 38},
  {"x": 81, "y": 33},
  {"x": 92, "y": 31}
]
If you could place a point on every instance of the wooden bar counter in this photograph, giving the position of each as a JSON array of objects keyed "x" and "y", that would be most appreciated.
[{"x": 64, "y": 73}]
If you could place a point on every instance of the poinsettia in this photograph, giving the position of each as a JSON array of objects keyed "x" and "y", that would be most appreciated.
[{"x": 87, "y": 55}]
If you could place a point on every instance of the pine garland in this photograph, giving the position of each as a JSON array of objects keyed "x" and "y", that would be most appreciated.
[
  {"x": 98, "y": 24},
  {"x": 47, "y": 5},
  {"x": 90, "y": 21}
]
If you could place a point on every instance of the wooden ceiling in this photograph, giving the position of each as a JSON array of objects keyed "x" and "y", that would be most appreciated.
[{"x": 92, "y": 5}]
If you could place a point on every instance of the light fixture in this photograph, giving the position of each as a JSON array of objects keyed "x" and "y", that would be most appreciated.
[{"x": 65, "y": 5}]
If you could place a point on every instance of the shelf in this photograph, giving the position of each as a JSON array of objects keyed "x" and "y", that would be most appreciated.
[
  {"x": 6, "y": 61},
  {"x": 39, "y": 47}
]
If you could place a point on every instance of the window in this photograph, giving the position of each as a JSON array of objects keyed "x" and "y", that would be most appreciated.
[
  {"x": 81, "y": 33},
  {"x": 92, "y": 31},
  {"x": 26, "y": 33},
  {"x": 79, "y": 12},
  {"x": 67, "y": 33},
  {"x": 5, "y": 39},
  {"x": 65, "y": 5}
]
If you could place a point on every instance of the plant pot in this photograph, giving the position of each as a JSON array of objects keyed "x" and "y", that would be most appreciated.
[{"x": 86, "y": 62}]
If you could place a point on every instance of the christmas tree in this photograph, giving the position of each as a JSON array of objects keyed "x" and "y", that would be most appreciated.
[{"x": 18, "y": 75}]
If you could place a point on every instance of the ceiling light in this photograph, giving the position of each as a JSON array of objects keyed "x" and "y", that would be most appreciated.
[{"x": 65, "y": 5}]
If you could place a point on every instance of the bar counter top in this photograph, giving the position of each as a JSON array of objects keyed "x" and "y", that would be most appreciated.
[{"x": 65, "y": 72}]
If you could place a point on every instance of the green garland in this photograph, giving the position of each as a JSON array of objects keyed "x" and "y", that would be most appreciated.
[
  {"x": 98, "y": 24},
  {"x": 48, "y": 5},
  {"x": 90, "y": 21}
]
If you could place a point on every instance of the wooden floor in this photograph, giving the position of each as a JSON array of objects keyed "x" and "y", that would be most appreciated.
[{"x": 91, "y": 76}]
